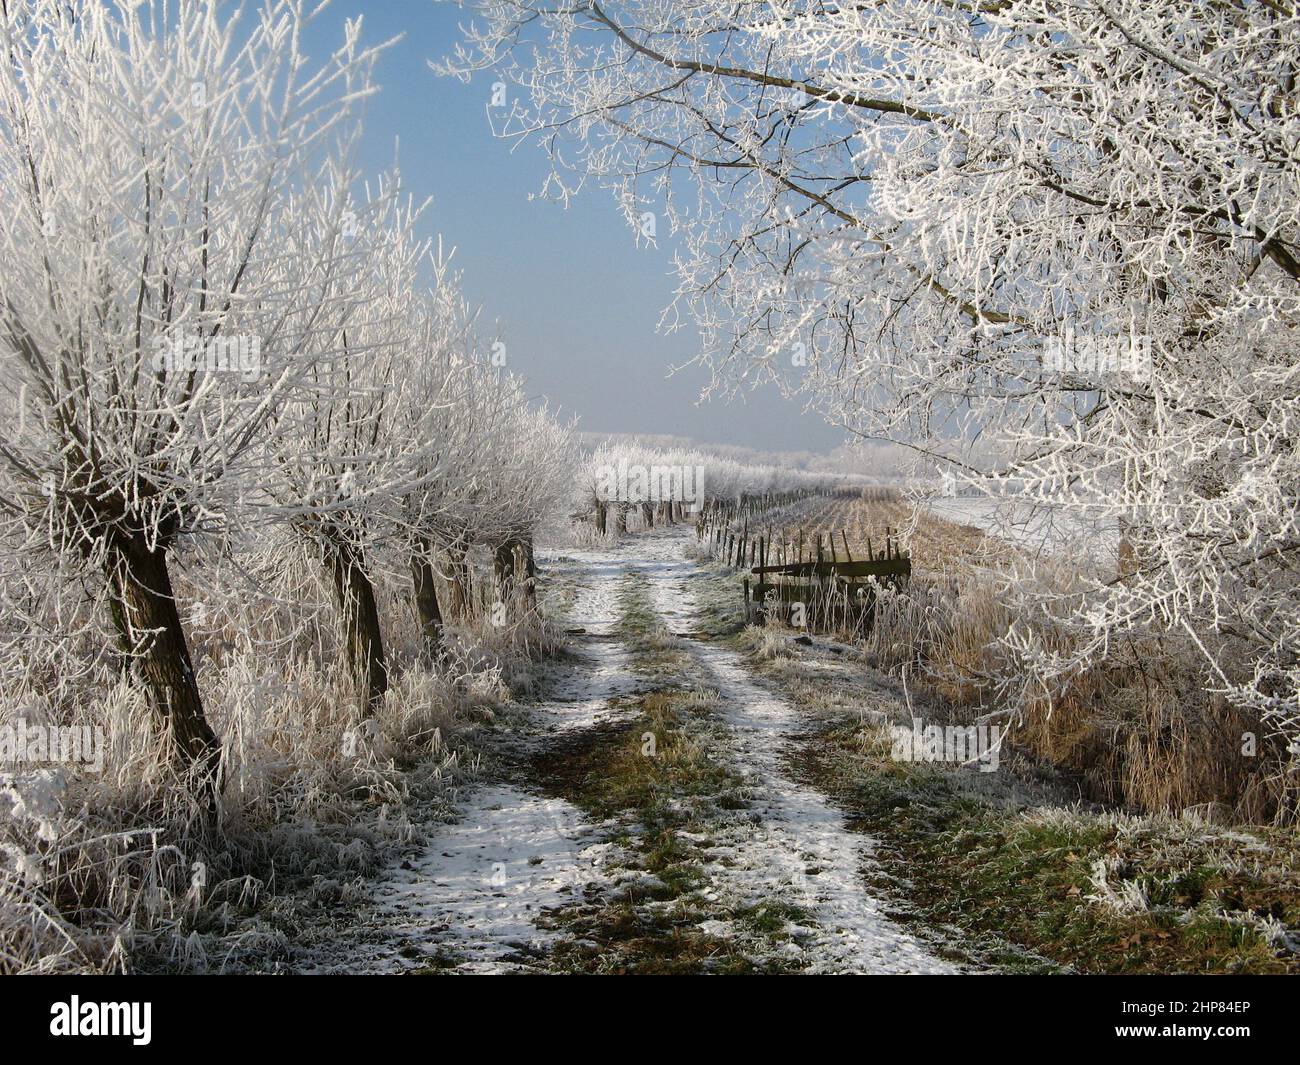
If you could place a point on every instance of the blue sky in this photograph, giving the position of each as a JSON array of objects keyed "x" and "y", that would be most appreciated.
[{"x": 577, "y": 299}]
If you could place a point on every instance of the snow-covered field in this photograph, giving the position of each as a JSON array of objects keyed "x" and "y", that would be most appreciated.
[{"x": 1037, "y": 529}]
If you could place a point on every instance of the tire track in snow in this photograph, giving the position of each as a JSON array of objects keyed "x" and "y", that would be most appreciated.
[
  {"x": 474, "y": 896},
  {"x": 472, "y": 899},
  {"x": 582, "y": 700},
  {"x": 801, "y": 852}
]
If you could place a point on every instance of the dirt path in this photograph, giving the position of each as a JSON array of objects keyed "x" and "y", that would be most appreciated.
[
  {"x": 470, "y": 901},
  {"x": 799, "y": 848},
  {"x": 475, "y": 899}
]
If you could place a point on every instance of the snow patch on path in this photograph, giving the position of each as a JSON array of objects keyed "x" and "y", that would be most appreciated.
[
  {"x": 475, "y": 895},
  {"x": 603, "y": 673}
]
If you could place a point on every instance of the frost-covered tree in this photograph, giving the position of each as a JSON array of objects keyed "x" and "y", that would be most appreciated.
[
  {"x": 529, "y": 480},
  {"x": 1068, "y": 230},
  {"x": 153, "y": 160},
  {"x": 521, "y": 473},
  {"x": 437, "y": 405},
  {"x": 497, "y": 463},
  {"x": 345, "y": 451}
]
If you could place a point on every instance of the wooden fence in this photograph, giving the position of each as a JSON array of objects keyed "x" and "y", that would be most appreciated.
[{"x": 806, "y": 579}]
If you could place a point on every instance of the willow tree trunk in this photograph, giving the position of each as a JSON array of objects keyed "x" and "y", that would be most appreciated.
[
  {"x": 149, "y": 628},
  {"x": 458, "y": 584},
  {"x": 426, "y": 598},
  {"x": 530, "y": 574},
  {"x": 361, "y": 634},
  {"x": 620, "y": 518},
  {"x": 504, "y": 568}
]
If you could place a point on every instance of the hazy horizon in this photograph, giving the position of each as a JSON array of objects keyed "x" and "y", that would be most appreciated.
[{"x": 578, "y": 302}]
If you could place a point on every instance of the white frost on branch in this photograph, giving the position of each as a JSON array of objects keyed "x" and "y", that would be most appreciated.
[{"x": 914, "y": 214}]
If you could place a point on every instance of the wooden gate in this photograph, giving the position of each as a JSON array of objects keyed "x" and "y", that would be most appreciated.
[{"x": 825, "y": 596}]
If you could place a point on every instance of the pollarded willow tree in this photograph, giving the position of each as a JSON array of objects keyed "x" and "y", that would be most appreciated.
[
  {"x": 1067, "y": 228},
  {"x": 348, "y": 448},
  {"x": 513, "y": 463},
  {"x": 454, "y": 402},
  {"x": 526, "y": 484},
  {"x": 495, "y": 464},
  {"x": 443, "y": 379},
  {"x": 153, "y": 160}
]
